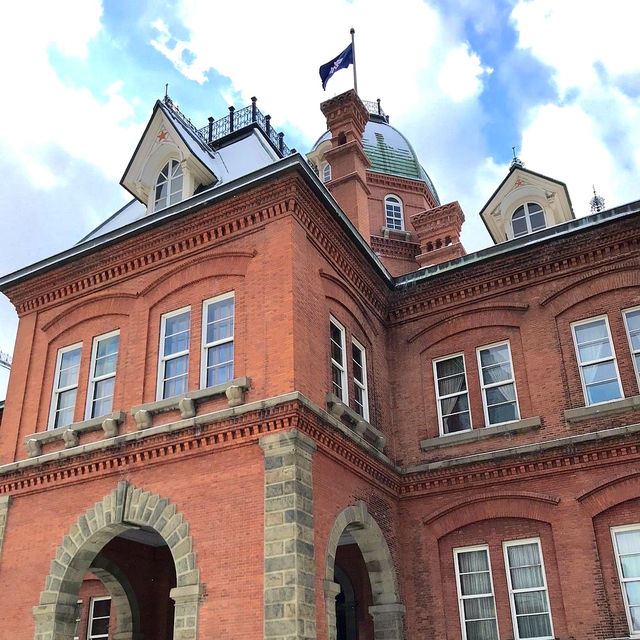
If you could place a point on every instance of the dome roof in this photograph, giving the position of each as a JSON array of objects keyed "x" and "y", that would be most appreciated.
[{"x": 390, "y": 152}]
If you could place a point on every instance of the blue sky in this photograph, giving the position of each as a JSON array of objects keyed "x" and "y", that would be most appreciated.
[{"x": 464, "y": 80}]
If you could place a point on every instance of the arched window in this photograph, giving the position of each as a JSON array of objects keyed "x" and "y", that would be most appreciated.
[
  {"x": 326, "y": 172},
  {"x": 393, "y": 213},
  {"x": 527, "y": 218},
  {"x": 168, "y": 185}
]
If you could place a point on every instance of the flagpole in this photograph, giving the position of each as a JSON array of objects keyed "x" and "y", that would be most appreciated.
[{"x": 353, "y": 48}]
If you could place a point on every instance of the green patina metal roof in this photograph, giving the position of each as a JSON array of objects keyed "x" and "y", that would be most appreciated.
[{"x": 391, "y": 153}]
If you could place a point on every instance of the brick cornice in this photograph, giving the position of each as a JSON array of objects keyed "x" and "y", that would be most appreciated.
[
  {"x": 197, "y": 231},
  {"x": 407, "y": 184},
  {"x": 516, "y": 271},
  {"x": 392, "y": 248}
]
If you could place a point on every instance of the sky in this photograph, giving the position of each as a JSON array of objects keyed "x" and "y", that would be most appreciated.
[{"x": 464, "y": 80}]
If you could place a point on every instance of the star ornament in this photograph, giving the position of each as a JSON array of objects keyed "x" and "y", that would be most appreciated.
[{"x": 162, "y": 136}]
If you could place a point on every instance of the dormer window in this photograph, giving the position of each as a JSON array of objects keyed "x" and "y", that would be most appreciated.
[
  {"x": 326, "y": 172},
  {"x": 528, "y": 218},
  {"x": 394, "y": 218},
  {"x": 169, "y": 185}
]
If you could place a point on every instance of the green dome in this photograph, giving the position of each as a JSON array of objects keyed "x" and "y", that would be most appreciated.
[{"x": 390, "y": 152}]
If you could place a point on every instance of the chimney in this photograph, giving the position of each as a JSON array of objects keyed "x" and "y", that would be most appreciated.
[
  {"x": 438, "y": 231},
  {"x": 346, "y": 119}
]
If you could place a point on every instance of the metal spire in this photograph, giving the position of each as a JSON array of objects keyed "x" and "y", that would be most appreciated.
[
  {"x": 516, "y": 162},
  {"x": 597, "y": 202}
]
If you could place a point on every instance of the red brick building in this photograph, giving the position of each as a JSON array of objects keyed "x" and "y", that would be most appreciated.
[{"x": 273, "y": 398}]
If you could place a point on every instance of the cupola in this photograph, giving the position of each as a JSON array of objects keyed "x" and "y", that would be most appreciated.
[{"x": 525, "y": 202}]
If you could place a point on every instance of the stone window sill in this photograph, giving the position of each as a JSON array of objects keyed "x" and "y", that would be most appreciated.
[
  {"x": 481, "y": 433},
  {"x": 186, "y": 404},
  {"x": 69, "y": 434},
  {"x": 363, "y": 428},
  {"x": 606, "y": 408}
]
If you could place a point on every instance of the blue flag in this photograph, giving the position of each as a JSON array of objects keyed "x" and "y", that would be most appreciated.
[{"x": 341, "y": 61}]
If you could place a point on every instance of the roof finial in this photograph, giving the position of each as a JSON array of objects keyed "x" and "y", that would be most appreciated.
[
  {"x": 597, "y": 202},
  {"x": 516, "y": 162},
  {"x": 166, "y": 90}
]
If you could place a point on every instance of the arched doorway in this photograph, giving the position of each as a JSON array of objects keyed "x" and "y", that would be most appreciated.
[
  {"x": 126, "y": 524},
  {"x": 356, "y": 527}
]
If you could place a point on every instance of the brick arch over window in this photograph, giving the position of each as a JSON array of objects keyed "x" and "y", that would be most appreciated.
[
  {"x": 123, "y": 508},
  {"x": 387, "y": 611},
  {"x": 610, "y": 494},
  {"x": 596, "y": 283},
  {"x": 524, "y": 505}
]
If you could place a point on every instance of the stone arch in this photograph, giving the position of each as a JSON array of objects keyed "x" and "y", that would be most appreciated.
[
  {"x": 125, "y": 507},
  {"x": 387, "y": 610},
  {"x": 122, "y": 597}
]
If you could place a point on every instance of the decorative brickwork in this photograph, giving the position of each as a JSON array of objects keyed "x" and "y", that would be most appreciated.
[
  {"x": 289, "y": 593},
  {"x": 123, "y": 508}
]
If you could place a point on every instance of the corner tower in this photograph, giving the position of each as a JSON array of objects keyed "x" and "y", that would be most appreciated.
[{"x": 374, "y": 173}]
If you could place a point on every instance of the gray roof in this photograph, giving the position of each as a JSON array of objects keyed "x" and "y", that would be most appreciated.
[{"x": 390, "y": 152}]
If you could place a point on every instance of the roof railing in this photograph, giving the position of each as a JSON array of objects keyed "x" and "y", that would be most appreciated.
[{"x": 237, "y": 119}]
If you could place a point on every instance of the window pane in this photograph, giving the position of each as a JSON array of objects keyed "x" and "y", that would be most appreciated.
[
  {"x": 519, "y": 227},
  {"x": 635, "y": 618},
  {"x": 479, "y": 608},
  {"x": 105, "y": 365},
  {"x": 100, "y": 626},
  {"x": 176, "y": 366},
  {"x": 175, "y": 387},
  {"x": 501, "y": 394},
  {"x": 469, "y": 561},
  {"x": 628, "y": 541},
  {"x": 601, "y": 372},
  {"x": 633, "y": 324},
  {"x": 104, "y": 388},
  {"x": 475, "y": 583},
  {"x": 630, "y": 566},
  {"x": 633, "y": 592},
  {"x": 595, "y": 350},
  {"x": 482, "y": 630},
  {"x": 534, "y": 626},
  {"x": 177, "y": 324},
  {"x": 531, "y": 602},
  {"x": 176, "y": 343},
  {"x": 537, "y": 221},
  {"x": 101, "y": 608},
  {"x": 67, "y": 399},
  {"x": 494, "y": 355},
  {"x": 503, "y": 413},
  {"x": 604, "y": 392},
  {"x": 456, "y": 422},
  {"x": 449, "y": 367}
]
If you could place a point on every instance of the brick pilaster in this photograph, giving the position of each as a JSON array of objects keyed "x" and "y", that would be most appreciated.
[{"x": 289, "y": 573}]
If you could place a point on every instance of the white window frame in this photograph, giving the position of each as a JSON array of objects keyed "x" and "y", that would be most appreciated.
[
  {"x": 90, "y": 620},
  {"x": 461, "y": 598},
  {"x": 386, "y": 217},
  {"x": 162, "y": 360},
  {"x": 208, "y": 345},
  {"x": 169, "y": 182},
  {"x": 592, "y": 362},
  {"x": 57, "y": 390},
  {"x": 484, "y": 387},
  {"x": 527, "y": 217},
  {"x": 326, "y": 172},
  {"x": 621, "y": 580},
  {"x": 439, "y": 397},
  {"x": 364, "y": 387},
  {"x": 92, "y": 377},
  {"x": 341, "y": 366},
  {"x": 512, "y": 591},
  {"x": 635, "y": 355}
]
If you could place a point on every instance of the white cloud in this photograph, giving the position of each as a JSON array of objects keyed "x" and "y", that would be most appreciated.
[
  {"x": 45, "y": 109},
  {"x": 572, "y": 35},
  {"x": 461, "y": 74},
  {"x": 591, "y": 137}
]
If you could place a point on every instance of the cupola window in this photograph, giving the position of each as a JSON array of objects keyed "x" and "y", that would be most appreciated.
[
  {"x": 393, "y": 213},
  {"x": 326, "y": 172},
  {"x": 528, "y": 218},
  {"x": 169, "y": 185}
]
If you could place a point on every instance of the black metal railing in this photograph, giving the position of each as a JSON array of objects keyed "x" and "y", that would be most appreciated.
[
  {"x": 374, "y": 107},
  {"x": 237, "y": 119}
]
